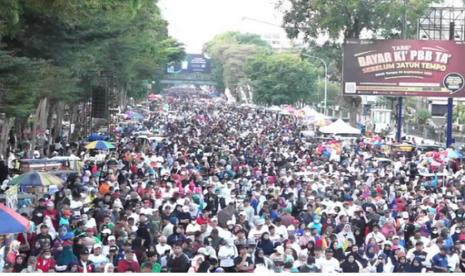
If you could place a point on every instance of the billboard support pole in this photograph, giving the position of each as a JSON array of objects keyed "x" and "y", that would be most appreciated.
[
  {"x": 399, "y": 99},
  {"x": 399, "y": 119},
  {"x": 450, "y": 101}
]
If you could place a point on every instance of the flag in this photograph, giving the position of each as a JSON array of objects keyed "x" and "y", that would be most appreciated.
[{"x": 12, "y": 197}]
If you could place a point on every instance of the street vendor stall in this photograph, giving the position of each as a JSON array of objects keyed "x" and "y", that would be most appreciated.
[{"x": 340, "y": 128}]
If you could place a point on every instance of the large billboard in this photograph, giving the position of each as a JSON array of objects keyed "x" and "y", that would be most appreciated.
[
  {"x": 434, "y": 68},
  {"x": 193, "y": 63}
]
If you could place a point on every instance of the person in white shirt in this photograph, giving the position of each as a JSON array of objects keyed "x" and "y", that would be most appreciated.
[
  {"x": 329, "y": 264},
  {"x": 378, "y": 236},
  {"x": 147, "y": 208},
  {"x": 162, "y": 246},
  {"x": 191, "y": 228},
  {"x": 281, "y": 230},
  {"x": 454, "y": 260},
  {"x": 98, "y": 258},
  {"x": 226, "y": 255},
  {"x": 257, "y": 231}
]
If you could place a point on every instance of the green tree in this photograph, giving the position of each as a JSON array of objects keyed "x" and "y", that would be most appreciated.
[
  {"x": 282, "y": 78},
  {"x": 459, "y": 113},
  {"x": 347, "y": 19},
  {"x": 230, "y": 52},
  {"x": 81, "y": 46},
  {"x": 333, "y": 88},
  {"x": 350, "y": 17},
  {"x": 422, "y": 116}
]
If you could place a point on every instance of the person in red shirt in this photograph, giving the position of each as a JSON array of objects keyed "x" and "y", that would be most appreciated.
[
  {"x": 52, "y": 213},
  {"x": 45, "y": 262},
  {"x": 203, "y": 218},
  {"x": 128, "y": 264}
]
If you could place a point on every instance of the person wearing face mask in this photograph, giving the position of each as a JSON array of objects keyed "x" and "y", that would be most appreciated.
[
  {"x": 31, "y": 266},
  {"x": 226, "y": 255},
  {"x": 45, "y": 262}
]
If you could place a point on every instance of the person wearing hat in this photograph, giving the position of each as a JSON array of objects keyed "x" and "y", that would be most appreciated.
[
  {"x": 259, "y": 228},
  {"x": 98, "y": 258},
  {"x": 84, "y": 264},
  {"x": 111, "y": 242}
]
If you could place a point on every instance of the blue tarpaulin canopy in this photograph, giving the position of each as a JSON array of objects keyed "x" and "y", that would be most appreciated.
[
  {"x": 12, "y": 222},
  {"x": 97, "y": 137}
]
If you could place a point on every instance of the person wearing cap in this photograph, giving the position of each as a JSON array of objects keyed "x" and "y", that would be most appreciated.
[
  {"x": 98, "y": 258},
  {"x": 84, "y": 264},
  {"x": 257, "y": 230}
]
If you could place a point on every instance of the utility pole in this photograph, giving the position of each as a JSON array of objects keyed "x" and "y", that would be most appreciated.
[
  {"x": 400, "y": 99},
  {"x": 450, "y": 101}
]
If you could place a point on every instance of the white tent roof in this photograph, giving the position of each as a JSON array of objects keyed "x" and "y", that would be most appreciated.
[{"x": 339, "y": 127}]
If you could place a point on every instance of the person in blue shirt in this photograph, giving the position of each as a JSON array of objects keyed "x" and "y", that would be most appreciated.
[{"x": 439, "y": 263}]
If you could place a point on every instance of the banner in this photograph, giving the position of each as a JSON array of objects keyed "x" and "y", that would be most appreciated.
[
  {"x": 193, "y": 63},
  {"x": 429, "y": 68}
]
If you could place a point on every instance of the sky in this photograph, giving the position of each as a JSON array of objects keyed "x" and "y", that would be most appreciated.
[{"x": 195, "y": 22}]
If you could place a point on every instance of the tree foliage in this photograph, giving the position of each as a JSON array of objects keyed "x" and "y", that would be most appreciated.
[
  {"x": 64, "y": 51},
  {"x": 230, "y": 52},
  {"x": 350, "y": 17},
  {"x": 423, "y": 115},
  {"x": 342, "y": 19},
  {"x": 82, "y": 44},
  {"x": 282, "y": 78}
]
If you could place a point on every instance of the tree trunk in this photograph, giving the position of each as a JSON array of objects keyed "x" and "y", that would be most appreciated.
[
  {"x": 40, "y": 121},
  {"x": 5, "y": 126},
  {"x": 72, "y": 120},
  {"x": 353, "y": 114},
  {"x": 60, "y": 111}
]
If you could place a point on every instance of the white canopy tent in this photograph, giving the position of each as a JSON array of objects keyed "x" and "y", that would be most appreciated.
[{"x": 340, "y": 127}]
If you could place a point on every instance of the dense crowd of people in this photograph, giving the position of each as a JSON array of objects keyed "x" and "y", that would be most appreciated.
[{"x": 223, "y": 188}]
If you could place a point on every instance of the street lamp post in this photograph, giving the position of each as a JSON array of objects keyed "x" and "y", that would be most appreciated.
[{"x": 325, "y": 103}]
